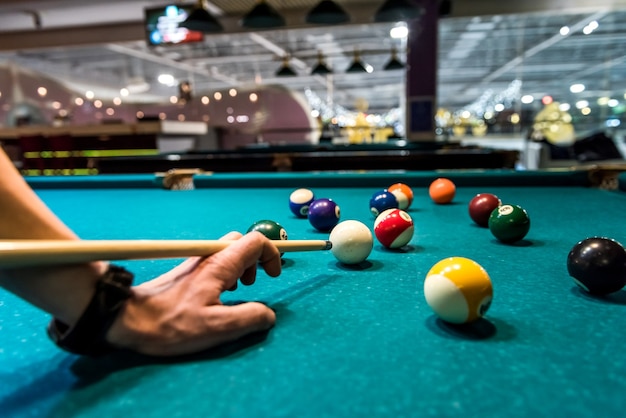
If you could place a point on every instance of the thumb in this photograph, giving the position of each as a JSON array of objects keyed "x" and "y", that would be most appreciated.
[{"x": 229, "y": 323}]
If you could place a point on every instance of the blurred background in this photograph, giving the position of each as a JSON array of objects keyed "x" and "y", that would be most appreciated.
[{"x": 533, "y": 77}]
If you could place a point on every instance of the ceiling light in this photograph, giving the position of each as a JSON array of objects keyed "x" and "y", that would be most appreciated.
[
  {"x": 166, "y": 79},
  {"x": 285, "y": 70},
  {"x": 527, "y": 99},
  {"x": 357, "y": 65},
  {"x": 400, "y": 31},
  {"x": 327, "y": 12},
  {"x": 321, "y": 68},
  {"x": 137, "y": 85},
  {"x": 582, "y": 104},
  {"x": 262, "y": 16},
  {"x": 577, "y": 88},
  {"x": 394, "y": 63},
  {"x": 201, "y": 20},
  {"x": 397, "y": 11}
]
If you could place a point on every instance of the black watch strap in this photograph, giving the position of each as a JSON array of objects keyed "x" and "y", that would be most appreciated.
[{"x": 88, "y": 335}]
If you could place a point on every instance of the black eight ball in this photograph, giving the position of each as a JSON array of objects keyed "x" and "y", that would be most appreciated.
[{"x": 598, "y": 265}]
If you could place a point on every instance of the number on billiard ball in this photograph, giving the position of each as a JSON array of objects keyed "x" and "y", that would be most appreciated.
[
  {"x": 271, "y": 229},
  {"x": 509, "y": 223},
  {"x": 324, "y": 214},
  {"x": 598, "y": 265},
  {"x": 481, "y": 206},
  {"x": 299, "y": 202},
  {"x": 381, "y": 201},
  {"x": 458, "y": 290},
  {"x": 394, "y": 228}
]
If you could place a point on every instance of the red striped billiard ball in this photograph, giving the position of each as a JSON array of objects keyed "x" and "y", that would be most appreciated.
[
  {"x": 394, "y": 228},
  {"x": 481, "y": 206}
]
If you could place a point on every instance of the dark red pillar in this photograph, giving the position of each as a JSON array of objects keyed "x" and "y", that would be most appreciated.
[{"x": 421, "y": 73}]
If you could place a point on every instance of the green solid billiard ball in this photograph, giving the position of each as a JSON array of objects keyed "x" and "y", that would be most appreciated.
[
  {"x": 509, "y": 223},
  {"x": 271, "y": 229}
]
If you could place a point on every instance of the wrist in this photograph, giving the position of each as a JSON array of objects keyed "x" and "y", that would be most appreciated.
[{"x": 88, "y": 335}]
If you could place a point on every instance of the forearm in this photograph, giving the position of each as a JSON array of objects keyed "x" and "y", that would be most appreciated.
[{"x": 62, "y": 291}]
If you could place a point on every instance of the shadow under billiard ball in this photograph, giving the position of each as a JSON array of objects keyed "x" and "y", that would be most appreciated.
[
  {"x": 615, "y": 298},
  {"x": 481, "y": 329},
  {"x": 363, "y": 265}
]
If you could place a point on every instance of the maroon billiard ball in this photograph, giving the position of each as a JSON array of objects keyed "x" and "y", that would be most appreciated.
[{"x": 481, "y": 206}]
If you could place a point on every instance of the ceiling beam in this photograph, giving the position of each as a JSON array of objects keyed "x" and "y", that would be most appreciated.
[
  {"x": 529, "y": 52},
  {"x": 465, "y": 8}
]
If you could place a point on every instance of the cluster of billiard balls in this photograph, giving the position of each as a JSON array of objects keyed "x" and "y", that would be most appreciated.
[
  {"x": 509, "y": 223},
  {"x": 352, "y": 240},
  {"x": 457, "y": 289}
]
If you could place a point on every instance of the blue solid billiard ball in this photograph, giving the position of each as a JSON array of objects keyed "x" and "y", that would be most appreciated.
[
  {"x": 381, "y": 201},
  {"x": 324, "y": 214},
  {"x": 299, "y": 202}
]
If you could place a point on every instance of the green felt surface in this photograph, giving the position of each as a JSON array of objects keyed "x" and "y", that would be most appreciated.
[{"x": 348, "y": 342}]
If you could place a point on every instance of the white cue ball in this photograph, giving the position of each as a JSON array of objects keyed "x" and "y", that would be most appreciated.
[{"x": 352, "y": 242}]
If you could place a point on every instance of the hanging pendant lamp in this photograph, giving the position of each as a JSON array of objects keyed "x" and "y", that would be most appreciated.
[
  {"x": 327, "y": 12},
  {"x": 394, "y": 63},
  {"x": 262, "y": 16},
  {"x": 397, "y": 11},
  {"x": 320, "y": 68},
  {"x": 201, "y": 20}
]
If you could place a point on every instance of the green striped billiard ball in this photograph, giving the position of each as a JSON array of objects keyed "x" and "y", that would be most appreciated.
[
  {"x": 271, "y": 229},
  {"x": 509, "y": 223}
]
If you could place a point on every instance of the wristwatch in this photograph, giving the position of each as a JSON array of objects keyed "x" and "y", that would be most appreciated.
[{"x": 88, "y": 335}]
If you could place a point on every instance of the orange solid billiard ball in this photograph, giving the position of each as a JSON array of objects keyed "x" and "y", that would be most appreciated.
[{"x": 442, "y": 191}]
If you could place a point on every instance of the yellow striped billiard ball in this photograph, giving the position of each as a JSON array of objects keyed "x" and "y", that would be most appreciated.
[{"x": 458, "y": 290}]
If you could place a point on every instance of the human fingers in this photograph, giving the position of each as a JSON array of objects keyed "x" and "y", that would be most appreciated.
[
  {"x": 239, "y": 260},
  {"x": 183, "y": 268},
  {"x": 229, "y": 323},
  {"x": 200, "y": 329},
  {"x": 233, "y": 235},
  {"x": 218, "y": 324}
]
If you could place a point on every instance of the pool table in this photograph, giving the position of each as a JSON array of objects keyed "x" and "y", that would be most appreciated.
[{"x": 354, "y": 341}]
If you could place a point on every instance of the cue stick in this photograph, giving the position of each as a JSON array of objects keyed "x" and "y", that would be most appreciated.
[{"x": 25, "y": 253}]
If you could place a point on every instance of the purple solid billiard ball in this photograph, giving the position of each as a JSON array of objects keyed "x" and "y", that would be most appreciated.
[
  {"x": 323, "y": 214},
  {"x": 381, "y": 201}
]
